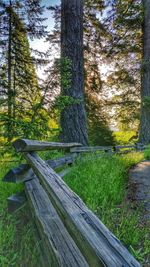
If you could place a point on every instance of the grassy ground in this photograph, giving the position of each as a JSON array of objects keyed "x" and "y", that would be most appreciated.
[
  {"x": 16, "y": 232},
  {"x": 101, "y": 183}
]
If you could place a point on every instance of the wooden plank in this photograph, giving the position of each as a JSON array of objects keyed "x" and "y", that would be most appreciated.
[
  {"x": 35, "y": 145},
  {"x": 140, "y": 146},
  {"x": 98, "y": 245},
  {"x": 41, "y": 252},
  {"x": 19, "y": 174},
  {"x": 60, "y": 248},
  {"x": 24, "y": 172},
  {"x": 125, "y": 146},
  {"x": 90, "y": 149},
  {"x": 16, "y": 202}
]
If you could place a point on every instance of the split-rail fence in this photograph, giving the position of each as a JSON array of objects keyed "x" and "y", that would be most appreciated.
[{"x": 71, "y": 234}]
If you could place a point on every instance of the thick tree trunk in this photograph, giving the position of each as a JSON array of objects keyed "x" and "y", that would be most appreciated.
[
  {"x": 73, "y": 116},
  {"x": 145, "y": 80}
]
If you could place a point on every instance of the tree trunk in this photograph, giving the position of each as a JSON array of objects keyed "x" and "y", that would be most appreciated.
[
  {"x": 9, "y": 101},
  {"x": 145, "y": 79},
  {"x": 73, "y": 116}
]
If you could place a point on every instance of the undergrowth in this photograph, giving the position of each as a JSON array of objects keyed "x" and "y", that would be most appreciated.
[{"x": 125, "y": 137}]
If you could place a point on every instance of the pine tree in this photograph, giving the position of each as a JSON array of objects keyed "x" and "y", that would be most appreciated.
[
  {"x": 20, "y": 78},
  {"x": 24, "y": 100}
]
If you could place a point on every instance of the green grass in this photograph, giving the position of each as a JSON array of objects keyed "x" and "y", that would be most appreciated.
[
  {"x": 101, "y": 183},
  {"x": 16, "y": 232}
]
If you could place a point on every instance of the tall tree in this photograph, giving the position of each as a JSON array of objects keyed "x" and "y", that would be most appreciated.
[
  {"x": 20, "y": 81},
  {"x": 94, "y": 35},
  {"x": 145, "y": 79},
  {"x": 24, "y": 114},
  {"x": 73, "y": 117}
]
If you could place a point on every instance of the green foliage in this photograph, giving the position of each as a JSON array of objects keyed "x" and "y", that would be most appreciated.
[
  {"x": 101, "y": 183},
  {"x": 64, "y": 66},
  {"x": 99, "y": 133},
  {"x": 62, "y": 101},
  {"x": 124, "y": 20},
  {"x": 28, "y": 117},
  {"x": 146, "y": 102},
  {"x": 125, "y": 137},
  {"x": 53, "y": 154},
  {"x": 147, "y": 152}
]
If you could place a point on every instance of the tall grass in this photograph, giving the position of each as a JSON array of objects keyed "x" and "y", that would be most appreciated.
[{"x": 102, "y": 184}]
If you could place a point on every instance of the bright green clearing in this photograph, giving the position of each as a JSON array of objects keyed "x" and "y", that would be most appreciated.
[{"x": 101, "y": 183}]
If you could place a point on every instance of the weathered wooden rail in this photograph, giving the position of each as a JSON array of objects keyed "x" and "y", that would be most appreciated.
[{"x": 71, "y": 234}]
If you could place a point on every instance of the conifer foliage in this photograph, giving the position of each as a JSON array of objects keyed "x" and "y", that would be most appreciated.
[{"x": 20, "y": 92}]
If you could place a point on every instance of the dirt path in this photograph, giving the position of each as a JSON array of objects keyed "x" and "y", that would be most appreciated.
[{"x": 139, "y": 184}]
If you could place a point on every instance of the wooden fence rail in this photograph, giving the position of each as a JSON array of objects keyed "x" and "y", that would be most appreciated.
[{"x": 71, "y": 234}]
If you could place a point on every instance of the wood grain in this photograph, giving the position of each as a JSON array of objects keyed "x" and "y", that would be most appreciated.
[
  {"x": 97, "y": 244},
  {"x": 90, "y": 149},
  {"x": 35, "y": 145},
  {"x": 60, "y": 248}
]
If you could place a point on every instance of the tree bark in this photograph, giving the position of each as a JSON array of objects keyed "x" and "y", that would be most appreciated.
[
  {"x": 145, "y": 79},
  {"x": 9, "y": 101},
  {"x": 73, "y": 116}
]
